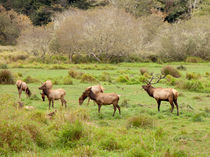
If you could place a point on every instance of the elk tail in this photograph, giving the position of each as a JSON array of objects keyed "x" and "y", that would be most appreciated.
[{"x": 175, "y": 93}]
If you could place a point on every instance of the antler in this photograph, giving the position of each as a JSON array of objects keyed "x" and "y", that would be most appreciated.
[{"x": 159, "y": 77}]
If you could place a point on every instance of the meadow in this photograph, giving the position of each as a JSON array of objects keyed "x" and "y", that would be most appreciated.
[{"x": 140, "y": 130}]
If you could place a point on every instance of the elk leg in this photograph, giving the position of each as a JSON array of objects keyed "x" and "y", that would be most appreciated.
[
  {"x": 99, "y": 108},
  {"x": 115, "y": 108},
  {"x": 177, "y": 107},
  {"x": 52, "y": 103},
  {"x": 65, "y": 103},
  {"x": 118, "y": 108},
  {"x": 159, "y": 102},
  {"x": 88, "y": 101},
  {"x": 19, "y": 92},
  {"x": 172, "y": 105},
  {"x": 49, "y": 104}
]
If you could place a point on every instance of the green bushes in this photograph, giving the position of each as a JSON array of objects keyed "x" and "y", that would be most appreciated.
[
  {"x": 109, "y": 143},
  {"x": 122, "y": 79},
  {"x": 171, "y": 80},
  {"x": 30, "y": 79},
  {"x": 194, "y": 85},
  {"x": 140, "y": 121},
  {"x": 71, "y": 133},
  {"x": 75, "y": 74},
  {"x": 3, "y": 66},
  {"x": 88, "y": 78},
  {"x": 106, "y": 77},
  {"x": 143, "y": 70},
  {"x": 194, "y": 60},
  {"x": 192, "y": 76},
  {"x": 6, "y": 77},
  {"x": 67, "y": 80},
  {"x": 170, "y": 70}
]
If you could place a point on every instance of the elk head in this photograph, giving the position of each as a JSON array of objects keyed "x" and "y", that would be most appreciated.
[
  {"x": 84, "y": 95},
  {"x": 149, "y": 83}
]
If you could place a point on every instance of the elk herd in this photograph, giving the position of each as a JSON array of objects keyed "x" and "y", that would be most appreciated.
[{"x": 96, "y": 93}]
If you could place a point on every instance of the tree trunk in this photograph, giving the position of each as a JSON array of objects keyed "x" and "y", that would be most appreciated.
[{"x": 71, "y": 57}]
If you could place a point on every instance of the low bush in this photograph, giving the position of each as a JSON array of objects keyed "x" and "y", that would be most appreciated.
[
  {"x": 194, "y": 60},
  {"x": 122, "y": 79},
  {"x": 67, "y": 80},
  {"x": 56, "y": 66},
  {"x": 181, "y": 67},
  {"x": 88, "y": 78},
  {"x": 170, "y": 80},
  {"x": 192, "y": 76},
  {"x": 6, "y": 77},
  {"x": 170, "y": 70},
  {"x": 106, "y": 77},
  {"x": 3, "y": 66},
  {"x": 142, "y": 79},
  {"x": 75, "y": 74},
  {"x": 140, "y": 121},
  {"x": 143, "y": 70},
  {"x": 194, "y": 85},
  {"x": 197, "y": 117},
  {"x": 70, "y": 133},
  {"x": 109, "y": 143},
  {"x": 30, "y": 79},
  {"x": 137, "y": 151}
]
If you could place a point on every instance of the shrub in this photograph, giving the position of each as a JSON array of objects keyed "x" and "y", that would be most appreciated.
[
  {"x": 109, "y": 143},
  {"x": 197, "y": 118},
  {"x": 75, "y": 74},
  {"x": 142, "y": 79},
  {"x": 194, "y": 85},
  {"x": 6, "y": 77},
  {"x": 70, "y": 133},
  {"x": 143, "y": 70},
  {"x": 137, "y": 151},
  {"x": 171, "y": 80},
  {"x": 170, "y": 70},
  {"x": 88, "y": 78},
  {"x": 181, "y": 67},
  {"x": 140, "y": 121},
  {"x": 3, "y": 66},
  {"x": 123, "y": 79},
  {"x": 58, "y": 67},
  {"x": 67, "y": 80},
  {"x": 192, "y": 76},
  {"x": 106, "y": 77},
  {"x": 193, "y": 59},
  {"x": 29, "y": 79}
]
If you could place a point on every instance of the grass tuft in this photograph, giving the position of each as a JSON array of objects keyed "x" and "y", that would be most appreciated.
[
  {"x": 170, "y": 70},
  {"x": 141, "y": 121},
  {"x": 6, "y": 77}
]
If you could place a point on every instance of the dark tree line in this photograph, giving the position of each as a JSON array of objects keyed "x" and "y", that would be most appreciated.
[{"x": 40, "y": 11}]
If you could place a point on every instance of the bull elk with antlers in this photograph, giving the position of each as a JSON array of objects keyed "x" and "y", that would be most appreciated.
[{"x": 162, "y": 94}]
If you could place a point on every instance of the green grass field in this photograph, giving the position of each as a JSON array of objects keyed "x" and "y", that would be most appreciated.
[{"x": 139, "y": 131}]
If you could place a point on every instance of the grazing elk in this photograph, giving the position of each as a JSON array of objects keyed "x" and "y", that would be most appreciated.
[
  {"x": 101, "y": 99},
  {"x": 162, "y": 94},
  {"x": 96, "y": 89},
  {"x": 54, "y": 94},
  {"x": 22, "y": 86},
  {"x": 49, "y": 85}
]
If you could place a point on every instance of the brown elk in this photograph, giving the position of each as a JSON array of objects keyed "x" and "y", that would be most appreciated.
[
  {"x": 54, "y": 94},
  {"x": 95, "y": 89},
  {"x": 162, "y": 94},
  {"x": 49, "y": 85},
  {"x": 22, "y": 86},
  {"x": 101, "y": 99}
]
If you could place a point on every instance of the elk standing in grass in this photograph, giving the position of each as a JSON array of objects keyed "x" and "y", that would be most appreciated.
[
  {"x": 22, "y": 86},
  {"x": 49, "y": 85},
  {"x": 54, "y": 94},
  {"x": 162, "y": 94},
  {"x": 101, "y": 99}
]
